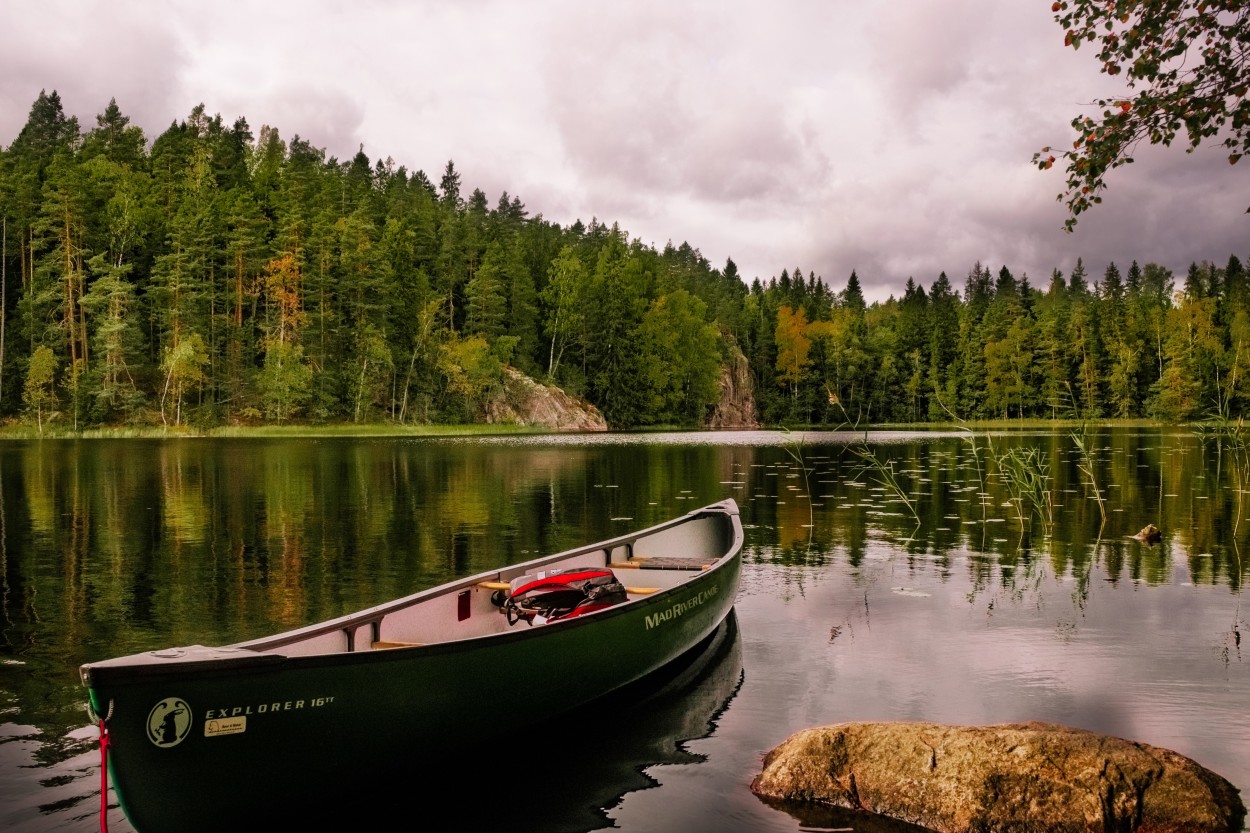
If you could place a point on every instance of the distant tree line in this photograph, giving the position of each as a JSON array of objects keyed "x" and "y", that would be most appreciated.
[
  {"x": 1128, "y": 345},
  {"x": 216, "y": 277}
]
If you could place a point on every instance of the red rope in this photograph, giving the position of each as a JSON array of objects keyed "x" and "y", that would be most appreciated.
[{"x": 104, "y": 777}]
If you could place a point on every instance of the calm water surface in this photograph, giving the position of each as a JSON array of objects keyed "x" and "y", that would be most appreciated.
[{"x": 855, "y": 604}]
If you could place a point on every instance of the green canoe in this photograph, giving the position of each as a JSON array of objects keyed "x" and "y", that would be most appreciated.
[{"x": 215, "y": 737}]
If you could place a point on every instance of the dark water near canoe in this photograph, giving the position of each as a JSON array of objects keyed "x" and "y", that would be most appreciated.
[{"x": 851, "y": 608}]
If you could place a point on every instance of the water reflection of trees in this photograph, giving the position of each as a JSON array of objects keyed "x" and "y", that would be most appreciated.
[
  {"x": 112, "y": 547},
  {"x": 966, "y": 505}
]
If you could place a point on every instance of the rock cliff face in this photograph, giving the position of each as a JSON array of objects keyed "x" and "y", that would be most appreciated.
[
  {"x": 736, "y": 406},
  {"x": 525, "y": 401},
  {"x": 1012, "y": 778},
  {"x": 522, "y": 400}
]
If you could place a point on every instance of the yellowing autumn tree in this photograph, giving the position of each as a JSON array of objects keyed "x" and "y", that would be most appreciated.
[
  {"x": 793, "y": 347},
  {"x": 285, "y": 381}
]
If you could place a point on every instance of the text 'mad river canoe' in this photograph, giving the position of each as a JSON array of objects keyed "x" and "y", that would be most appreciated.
[{"x": 202, "y": 737}]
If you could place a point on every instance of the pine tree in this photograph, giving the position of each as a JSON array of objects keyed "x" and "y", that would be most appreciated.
[
  {"x": 942, "y": 351},
  {"x": 617, "y": 301},
  {"x": 1053, "y": 359},
  {"x": 485, "y": 298},
  {"x": 853, "y": 296},
  {"x": 522, "y": 309},
  {"x": 116, "y": 340}
]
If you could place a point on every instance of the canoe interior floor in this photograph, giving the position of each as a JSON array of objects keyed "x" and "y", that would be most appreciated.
[{"x": 476, "y": 613}]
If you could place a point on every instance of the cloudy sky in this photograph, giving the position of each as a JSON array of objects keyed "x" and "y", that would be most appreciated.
[{"x": 889, "y": 137}]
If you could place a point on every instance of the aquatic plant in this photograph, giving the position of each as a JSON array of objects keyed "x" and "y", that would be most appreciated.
[
  {"x": 882, "y": 471},
  {"x": 970, "y": 439},
  {"x": 1229, "y": 435},
  {"x": 795, "y": 449},
  {"x": 1083, "y": 440},
  {"x": 1026, "y": 474}
]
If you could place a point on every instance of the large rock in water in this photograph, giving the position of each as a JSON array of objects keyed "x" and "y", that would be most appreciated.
[{"x": 1012, "y": 778}]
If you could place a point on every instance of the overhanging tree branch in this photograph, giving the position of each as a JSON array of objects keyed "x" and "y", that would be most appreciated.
[{"x": 1186, "y": 64}]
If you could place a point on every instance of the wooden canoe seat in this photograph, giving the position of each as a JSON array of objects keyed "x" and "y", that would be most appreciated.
[
  {"x": 642, "y": 562},
  {"x": 383, "y": 644}
]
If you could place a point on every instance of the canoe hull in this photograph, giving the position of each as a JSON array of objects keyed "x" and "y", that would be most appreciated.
[{"x": 209, "y": 737}]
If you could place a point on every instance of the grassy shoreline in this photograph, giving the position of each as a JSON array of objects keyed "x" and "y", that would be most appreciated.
[
  {"x": 21, "y": 431},
  {"x": 29, "y": 432}
]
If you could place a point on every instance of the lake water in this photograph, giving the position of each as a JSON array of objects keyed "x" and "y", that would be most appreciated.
[{"x": 957, "y": 604}]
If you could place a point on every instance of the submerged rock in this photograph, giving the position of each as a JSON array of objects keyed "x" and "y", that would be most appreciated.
[{"x": 1011, "y": 778}]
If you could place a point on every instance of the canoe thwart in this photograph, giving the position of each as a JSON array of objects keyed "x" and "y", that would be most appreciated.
[{"x": 383, "y": 644}]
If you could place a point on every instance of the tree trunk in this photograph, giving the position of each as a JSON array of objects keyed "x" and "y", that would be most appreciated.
[
  {"x": 360, "y": 390},
  {"x": 403, "y": 407}
]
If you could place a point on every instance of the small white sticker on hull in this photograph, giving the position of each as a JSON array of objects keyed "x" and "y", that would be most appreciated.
[{"x": 224, "y": 726}]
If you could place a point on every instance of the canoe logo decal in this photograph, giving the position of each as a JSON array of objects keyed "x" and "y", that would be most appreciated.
[
  {"x": 169, "y": 722},
  {"x": 654, "y": 619}
]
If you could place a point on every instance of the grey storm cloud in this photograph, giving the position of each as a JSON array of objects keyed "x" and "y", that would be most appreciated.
[
  {"x": 889, "y": 138},
  {"x": 88, "y": 59}
]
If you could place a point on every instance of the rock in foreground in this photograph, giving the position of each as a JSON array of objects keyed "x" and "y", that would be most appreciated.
[{"x": 1014, "y": 778}]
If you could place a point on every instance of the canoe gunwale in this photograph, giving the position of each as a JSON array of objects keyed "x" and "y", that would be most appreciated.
[{"x": 374, "y": 615}]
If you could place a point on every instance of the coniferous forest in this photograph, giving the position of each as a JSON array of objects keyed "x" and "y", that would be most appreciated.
[{"x": 213, "y": 276}]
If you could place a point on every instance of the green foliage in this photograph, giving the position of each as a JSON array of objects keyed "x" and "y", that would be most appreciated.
[
  {"x": 38, "y": 392},
  {"x": 374, "y": 371},
  {"x": 115, "y": 341},
  {"x": 1184, "y": 67},
  {"x": 683, "y": 351},
  {"x": 487, "y": 303},
  {"x": 566, "y": 303},
  {"x": 183, "y": 367},
  {"x": 614, "y": 357},
  {"x": 470, "y": 369},
  {"x": 285, "y": 381},
  {"x": 214, "y": 276}
]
